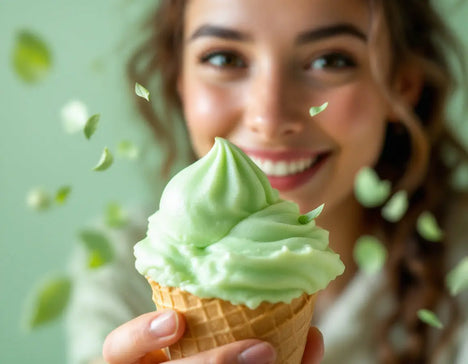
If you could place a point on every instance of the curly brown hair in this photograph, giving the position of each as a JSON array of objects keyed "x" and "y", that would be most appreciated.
[{"x": 412, "y": 156}]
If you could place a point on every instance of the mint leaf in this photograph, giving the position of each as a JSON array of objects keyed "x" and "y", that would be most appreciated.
[
  {"x": 116, "y": 217},
  {"x": 141, "y": 91},
  {"x": 457, "y": 278},
  {"x": 428, "y": 228},
  {"x": 31, "y": 57},
  {"x": 38, "y": 199},
  {"x": 128, "y": 150},
  {"x": 369, "y": 254},
  {"x": 49, "y": 302},
  {"x": 99, "y": 249},
  {"x": 91, "y": 125},
  {"x": 396, "y": 207},
  {"x": 429, "y": 318},
  {"x": 369, "y": 190},
  {"x": 305, "y": 219},
  {"x": 62, "y": 194},
  {"x": 105, "y": 161},
  {"x": 314, "y": 110}
]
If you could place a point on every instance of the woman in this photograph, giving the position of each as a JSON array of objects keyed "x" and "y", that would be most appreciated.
[{"x": 249, "y": 70}]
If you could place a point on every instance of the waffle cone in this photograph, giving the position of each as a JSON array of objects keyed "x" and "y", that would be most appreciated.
[{"x": 214, "y": 322}]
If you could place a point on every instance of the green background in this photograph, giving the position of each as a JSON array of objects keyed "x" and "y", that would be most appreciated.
[{"x": 90, "y": 42}]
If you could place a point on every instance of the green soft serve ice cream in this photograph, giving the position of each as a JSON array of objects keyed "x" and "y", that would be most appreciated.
[{"x": 222, "y": 231}]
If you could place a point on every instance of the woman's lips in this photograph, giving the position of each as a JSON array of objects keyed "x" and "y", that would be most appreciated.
[{"x": 288, "y": 170}]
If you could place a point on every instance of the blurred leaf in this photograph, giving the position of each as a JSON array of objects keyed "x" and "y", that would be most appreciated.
[
  {"x": 459, "y": 178},
  {"x": 305, "y": 219},
  {"x": 31, "y": 57},
  {"x": 50, "y": 301},
  {"x": 314, "y": 110},
  {"x": 116, "y": 216},
  {"x": 91, "y": 125},
  {"x": 428, "y": 228},
  {"x": 369, "y": 190},
  {"x": 457, "y": 278},
  {"x": 95, "y": 259},
  {"x": 128, "y": 150},
  {"x": 141, "y": 91},
  {"x": 369, "y": 254},
  {"x": 396, "y": 207},
  {"x": 74, "y": 116},
  {"x": 105, "y": 161},
  {"x": 62, "y": 194},
  {"x": 99, "y": 249},
  {"x": 38, "y": 199},
  {"x": 430, "y": 318}
]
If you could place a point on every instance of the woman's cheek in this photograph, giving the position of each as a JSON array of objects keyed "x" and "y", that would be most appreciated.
[
  {"x": 355, "y": 115},
  {"x": 209, "y": 112}
]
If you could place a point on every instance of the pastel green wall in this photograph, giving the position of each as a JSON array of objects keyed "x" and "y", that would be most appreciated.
[{"x": 34, "y": 150}]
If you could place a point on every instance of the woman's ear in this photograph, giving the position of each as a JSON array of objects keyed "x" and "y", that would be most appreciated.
[{"x": 408, "y": 84}]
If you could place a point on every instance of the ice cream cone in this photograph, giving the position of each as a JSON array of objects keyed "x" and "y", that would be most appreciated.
[{"x": 214, "y": 322}]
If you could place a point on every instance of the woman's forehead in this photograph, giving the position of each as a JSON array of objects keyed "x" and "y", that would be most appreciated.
[{"x": 271, "y": 15}]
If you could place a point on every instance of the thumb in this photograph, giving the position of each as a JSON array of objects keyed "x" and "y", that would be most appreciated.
[
  {"x": 314, "y": 350},
  {"x": 131, "y": 341}
]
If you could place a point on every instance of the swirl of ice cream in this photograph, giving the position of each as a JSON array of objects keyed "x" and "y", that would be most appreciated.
[{"x": 222, "y": 231}]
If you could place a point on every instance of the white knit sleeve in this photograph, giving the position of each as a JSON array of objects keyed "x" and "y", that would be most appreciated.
[{"x": 105, "y": 297}]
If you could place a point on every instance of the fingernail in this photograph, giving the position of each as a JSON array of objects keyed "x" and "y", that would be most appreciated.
[
  {"x": 164, "y": 325},
  {"x": 262, "y": 353}
]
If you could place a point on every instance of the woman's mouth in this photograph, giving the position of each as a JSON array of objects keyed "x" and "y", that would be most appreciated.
[
  {"x": 289, "y": 173},
  {"x": 283, "y": 168}
]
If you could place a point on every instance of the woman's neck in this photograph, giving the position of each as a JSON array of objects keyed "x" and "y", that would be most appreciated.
[{"x": 346, "y": 223}]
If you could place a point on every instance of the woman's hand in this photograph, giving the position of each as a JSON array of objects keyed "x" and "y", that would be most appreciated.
[
  {"x": 139, "y": 342},
  {"x": 314, "y": 349}
]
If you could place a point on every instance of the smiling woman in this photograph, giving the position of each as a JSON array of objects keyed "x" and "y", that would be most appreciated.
[{"x": 250, "y": 73}]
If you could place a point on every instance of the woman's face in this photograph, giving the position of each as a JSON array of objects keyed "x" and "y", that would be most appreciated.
[{"x": 252, "y": 69}]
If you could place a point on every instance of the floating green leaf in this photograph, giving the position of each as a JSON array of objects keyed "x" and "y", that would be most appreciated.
[
  {"x": 428, "y": 228},
  {"x": 369, "y": 190},
  {"x": 141, "y": 91},
  {"x": 116, "y": 216},
  {"x": 128, "y": 150},
  {"x": 457, "y": 278},
  {"x": 99, "y": 249},
  {"x": 459, "y": 179},
  {"x": 49, "y": 302},
  {"x": 396, "y": 207},
  {"x": 91, "y": 125},
  {"x": 105, "y": 161},
  {"x": 31, "y": 57},
  {"x": 369, "y": 254},
  {"x": 430, "y": 318},
  {"x": 314, "y": 110},
  {"x": 38, "y": 199},
  {"x": 74, "y": 115},
  {"x": 305, "y": 219},
  {"x": 62, "y": 194}
]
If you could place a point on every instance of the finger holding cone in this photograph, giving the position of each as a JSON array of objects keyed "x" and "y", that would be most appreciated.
[{"x": 213, "y": 322}]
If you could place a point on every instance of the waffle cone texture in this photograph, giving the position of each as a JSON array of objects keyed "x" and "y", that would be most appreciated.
[{"x": 214, "y": 322}]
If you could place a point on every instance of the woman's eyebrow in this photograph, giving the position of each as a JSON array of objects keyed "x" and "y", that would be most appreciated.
[
  {"x": 208, "y": 30},
  {"x": 331, "y": 31}
]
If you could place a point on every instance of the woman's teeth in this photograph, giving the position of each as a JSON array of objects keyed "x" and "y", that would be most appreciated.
[{"x": 283, "y": 168}]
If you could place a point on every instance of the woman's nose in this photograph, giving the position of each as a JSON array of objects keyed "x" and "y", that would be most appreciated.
[{"x": 274, "y": 110}]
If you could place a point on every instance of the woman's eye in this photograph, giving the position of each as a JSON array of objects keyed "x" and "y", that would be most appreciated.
[
  {"x": 224, "y": 59},
  {"x": 332, "y": 61}
]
